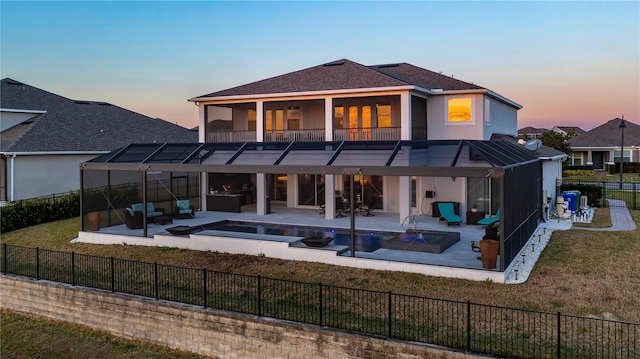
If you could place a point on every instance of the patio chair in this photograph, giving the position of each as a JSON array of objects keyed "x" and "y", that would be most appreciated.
[
  {"x": 448, "y": 213},
  {"x": 367, "y": 208},
  {"x": 183, "y": 209},
  {"x": 132, "y": 219},
  {"x": 490, "y": 220}
]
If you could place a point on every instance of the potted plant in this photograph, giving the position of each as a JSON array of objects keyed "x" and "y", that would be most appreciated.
[{"x": 474, "y": 209}]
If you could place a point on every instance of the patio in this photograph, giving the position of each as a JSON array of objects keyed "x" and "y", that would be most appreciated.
[{"x": 457, "y": 261}]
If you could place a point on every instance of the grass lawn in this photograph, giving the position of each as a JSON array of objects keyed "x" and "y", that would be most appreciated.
[
  {"x": 580, "y": 272},
  {"x": 26, "y": 336}
]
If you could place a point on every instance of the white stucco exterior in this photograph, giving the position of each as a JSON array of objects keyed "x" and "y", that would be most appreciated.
[{"x": 30, "y": 176}]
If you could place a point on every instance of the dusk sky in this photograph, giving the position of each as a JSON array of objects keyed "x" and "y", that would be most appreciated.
[{"x": 566, "y": 63}]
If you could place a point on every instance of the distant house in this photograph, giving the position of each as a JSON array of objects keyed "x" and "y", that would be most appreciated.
[
  {"x": 601, "y": 146},
  {"x": 531, "y": 133},
  {"x": 564, "y": 130},
  {"x": 46, "y": 136}
]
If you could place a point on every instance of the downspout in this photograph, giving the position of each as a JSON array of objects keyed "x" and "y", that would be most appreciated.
[{"x": 13, "y": 178}]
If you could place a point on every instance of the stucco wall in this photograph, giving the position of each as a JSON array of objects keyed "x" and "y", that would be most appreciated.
[
  {"x": 503, "y": 119},
  {"x": 43, "y": 175},
  {"x": 204, "y": 331}
]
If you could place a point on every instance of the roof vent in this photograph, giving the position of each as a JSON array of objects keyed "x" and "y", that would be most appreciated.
[
  {"x": 104, "y": 104},
  {"x": 387, "y": 65},
  {"x": 335, "y": 63},
  {"x": 82, "y": 102},
  {"x": 14, "y": 82}
]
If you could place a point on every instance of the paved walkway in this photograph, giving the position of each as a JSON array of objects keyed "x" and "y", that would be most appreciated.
[{"x": 620, "y": 218}]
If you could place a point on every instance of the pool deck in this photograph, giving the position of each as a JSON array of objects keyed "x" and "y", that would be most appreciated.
[{"x": 457, "y": 261}]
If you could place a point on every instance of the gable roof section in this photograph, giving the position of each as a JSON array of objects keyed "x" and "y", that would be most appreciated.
[
  {"x": 346, "y": 75},
  {"x": 578, "y": 131},
  {"x": 608, "y": 135},
  {"x": 424, "y": 78},
  {"x": 79, "y": 126}
]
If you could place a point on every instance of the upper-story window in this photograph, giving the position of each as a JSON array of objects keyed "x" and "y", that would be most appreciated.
[
  {"x": 252, "y": 117},
  {"x": 274, "y": 120},
  {"x": 383, "y": 115},
  {"x": 293, "y": 118},
  {"x": 459, "y": 110},
  {"x": 338, "y": 117},
  {"x": 487, "y": 111}
]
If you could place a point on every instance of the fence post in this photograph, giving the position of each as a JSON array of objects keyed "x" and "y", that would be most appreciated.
[
  {"x": 259, "y": 295},
  {"x": 390, "y": 310},
  {"x": 558, "y": 349},
  {"x": 155, "y": 279},
  {"x": 204, "y": 286},
  {"x": 635, "y": 196},
  {"x": 38, "y": 263},
  {"x": 73, "y": 268},
  {"x": 468, "y": 325},
  {"x": 320, "y": 301},
  {"x": 4, "y": 258},
  {"x": 113, "y": 275}
]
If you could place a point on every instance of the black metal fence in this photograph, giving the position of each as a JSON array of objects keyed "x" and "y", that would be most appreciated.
[
  {"x": 478, "y": 328},
  {"x": 628, "y": 193}
]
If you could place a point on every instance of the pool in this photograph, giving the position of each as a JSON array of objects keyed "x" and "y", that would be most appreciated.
[{"x": 365, "y": 241}]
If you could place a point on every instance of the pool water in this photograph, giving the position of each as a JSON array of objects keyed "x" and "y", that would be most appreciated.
[{"x": 365, "y": 241}]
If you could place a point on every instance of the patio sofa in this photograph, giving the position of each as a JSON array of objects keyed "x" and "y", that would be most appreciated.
[
  {"x": 133, "y": 219},
  {"x": 152, "y": 211}
]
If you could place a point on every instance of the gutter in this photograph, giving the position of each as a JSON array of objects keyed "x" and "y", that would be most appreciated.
[
  {"x": 300, "y": 94},
  {"x": 13, "y": 110}
]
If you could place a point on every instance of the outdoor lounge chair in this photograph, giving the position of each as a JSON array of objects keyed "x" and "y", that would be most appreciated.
[
  {"x": 132, "y": 219},
  {"x": 448, "y": 213},
  {"x": 368, "y": 208},
  {"x": 490, "y": 220},
  {"x": 183, "y": 209}
]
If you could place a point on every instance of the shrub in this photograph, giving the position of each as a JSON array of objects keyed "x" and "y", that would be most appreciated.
[{"x": 23, "y": 214}]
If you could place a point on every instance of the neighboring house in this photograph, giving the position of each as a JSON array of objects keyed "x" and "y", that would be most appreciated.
[
  {"x": 46, "y": 136},
  {"x": 601, "y": 146},
  {"x": 531, "y": 133},
  {"x": 551, "y": 162},
  {"x": 564, "y": 130},
  {"x": 343, "y": 100}
]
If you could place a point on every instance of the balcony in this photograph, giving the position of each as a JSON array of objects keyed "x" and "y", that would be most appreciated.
[{"x": 346, "y": 134}]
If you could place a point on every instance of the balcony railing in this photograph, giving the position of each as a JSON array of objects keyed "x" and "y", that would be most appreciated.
[
  {"x": 294, "y": 135},
  {"x": 231, "y": 136},
  {"x": 367, "y": 134},
  {"x": 346, "y": 134}
]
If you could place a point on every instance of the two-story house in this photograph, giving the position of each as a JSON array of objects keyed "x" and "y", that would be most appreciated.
[{"x": 346, "y": 101}]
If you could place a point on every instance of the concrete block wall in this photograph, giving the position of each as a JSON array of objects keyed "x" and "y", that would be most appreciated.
[{"x": 204, "y": 331}]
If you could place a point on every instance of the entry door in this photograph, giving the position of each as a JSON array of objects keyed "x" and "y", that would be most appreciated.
[
  {"x": 360, "y": 123},
  {"x": 598, "y": 162}
]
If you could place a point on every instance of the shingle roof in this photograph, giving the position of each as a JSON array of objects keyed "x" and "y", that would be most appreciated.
[
  {"x": 345, "y": 74},
  {"x": 608, "y": 135},
  {"x": 71, "y": 125},
  {"x": 542, "y": 152},
  {"x": 530, "y": 129}
]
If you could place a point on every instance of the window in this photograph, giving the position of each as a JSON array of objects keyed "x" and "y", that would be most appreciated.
[
  {"x": 338, "y": 117},
  {"x": 487, "y": 111},
  {"x": 252, "y": 116},
  {"x": 383, "y": 113},
  {"x": 459, "y": 110},
  {"x": 626, "y": 156},
  {"x": 576, "y": 159},
  {"x": 293, "y": 118}
]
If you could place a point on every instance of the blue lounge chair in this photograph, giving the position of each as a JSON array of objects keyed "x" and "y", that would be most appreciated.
[
  {"x": 490, "y": 220},
  {"x": 448, "y": 213}
]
